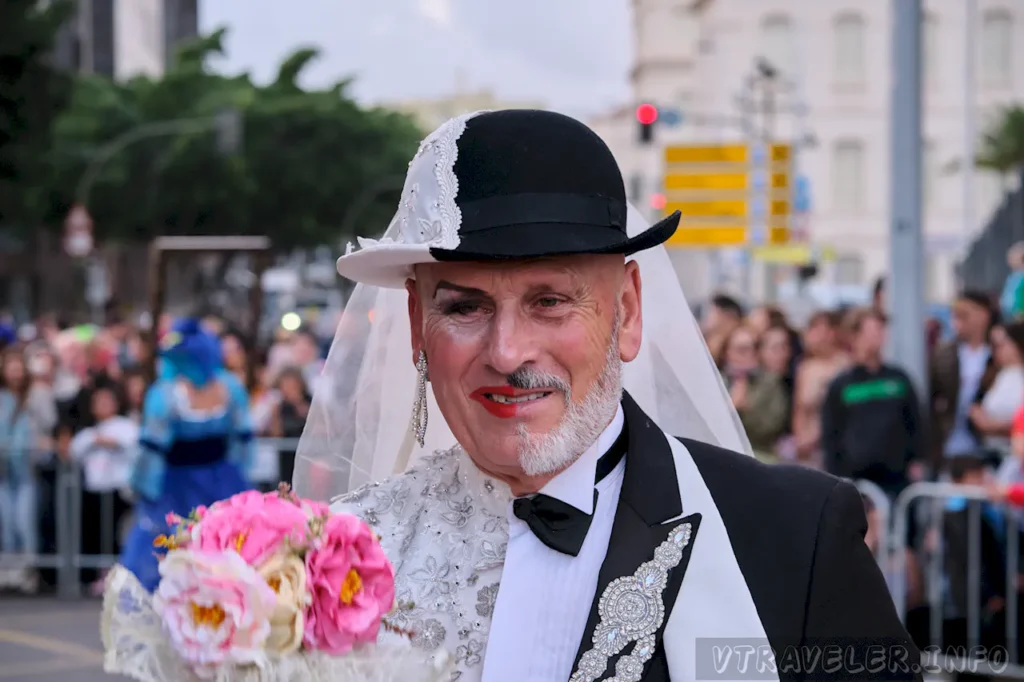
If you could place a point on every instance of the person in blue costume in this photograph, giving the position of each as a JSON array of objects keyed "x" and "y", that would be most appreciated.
[{"x": 196, "y": 443}]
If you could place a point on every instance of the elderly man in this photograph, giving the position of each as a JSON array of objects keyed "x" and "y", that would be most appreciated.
[{"x": 560, "y": 531}]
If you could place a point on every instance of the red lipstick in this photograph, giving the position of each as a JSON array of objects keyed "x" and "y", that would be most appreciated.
[{"x": 503, "y": 410}]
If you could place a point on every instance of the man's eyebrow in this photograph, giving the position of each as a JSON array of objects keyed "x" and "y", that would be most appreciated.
[{"x": 448, "y": 286}]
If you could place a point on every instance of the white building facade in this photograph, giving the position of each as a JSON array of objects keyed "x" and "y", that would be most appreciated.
[{"x": 833, "y": 59}]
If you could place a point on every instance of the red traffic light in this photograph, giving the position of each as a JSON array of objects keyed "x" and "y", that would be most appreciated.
[
  {"x": 658, "y": 201},
  {"x": 647, "y": 114}
]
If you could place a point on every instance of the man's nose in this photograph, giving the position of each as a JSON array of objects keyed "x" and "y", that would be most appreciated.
[{"x": 511, "y": 343}]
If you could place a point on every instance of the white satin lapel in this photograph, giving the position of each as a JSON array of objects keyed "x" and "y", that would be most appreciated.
[{"x": 714, "y": 601}]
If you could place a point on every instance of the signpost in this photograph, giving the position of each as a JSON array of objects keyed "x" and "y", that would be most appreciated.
[
  {"x": 78, "y": 239},
  {"x": 729, "y": 195}
]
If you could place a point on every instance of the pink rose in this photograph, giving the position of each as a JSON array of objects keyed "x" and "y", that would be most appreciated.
[
  {"x": 215, "y": 608},
  {"x": 253, "y": 524},
  {"x": 351, "y": 583}
]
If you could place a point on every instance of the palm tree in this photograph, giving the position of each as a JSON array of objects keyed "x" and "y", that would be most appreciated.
[{"x": 1001, "y": 150}]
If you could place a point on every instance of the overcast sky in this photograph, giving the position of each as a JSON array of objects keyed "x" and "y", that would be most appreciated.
[{"x": 571, "y": 55}]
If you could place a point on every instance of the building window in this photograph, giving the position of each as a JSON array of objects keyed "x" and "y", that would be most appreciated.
[
  {"x": 849, "y": 50},
  {"x": 849, "y": 270},
  {"x": 997, "y": 49},
  {"x": 778, "y": 44},
  {"x": 930, "y": 50},
  {"x": 848, "y": 176}
]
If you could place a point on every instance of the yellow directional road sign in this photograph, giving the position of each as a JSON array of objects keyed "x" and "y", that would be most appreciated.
[
  {"x": 726, "y": 235},
  {"x": 729, "y": 153},
  {"x": 724, "y": 154},
  {"x": 725, "y": 208},
  {"x": 729, "y": 194},
  {"x": 723, "y": 181}
]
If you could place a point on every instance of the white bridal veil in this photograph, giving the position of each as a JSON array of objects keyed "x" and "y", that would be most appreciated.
[{"x": 358, "y": 428}]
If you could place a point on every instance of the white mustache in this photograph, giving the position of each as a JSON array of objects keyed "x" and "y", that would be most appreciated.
[{"x": 527, "y": 379}]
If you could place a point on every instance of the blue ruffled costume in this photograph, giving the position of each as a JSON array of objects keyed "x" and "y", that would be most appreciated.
[{"x": 188, "y": 457}]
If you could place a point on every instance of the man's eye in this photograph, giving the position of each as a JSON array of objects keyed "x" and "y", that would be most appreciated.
[
  {"x": 548, "y": 301},
  {"x": 461, "y": 308}
]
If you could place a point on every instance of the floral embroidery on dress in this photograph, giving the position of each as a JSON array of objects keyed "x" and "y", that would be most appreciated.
[{"x": 444, "y": 526}]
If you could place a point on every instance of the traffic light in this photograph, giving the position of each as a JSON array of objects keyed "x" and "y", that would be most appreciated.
[{"x": 646, "y": 115}]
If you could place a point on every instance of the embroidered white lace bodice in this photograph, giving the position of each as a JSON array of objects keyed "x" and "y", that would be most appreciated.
[{"x": 444, "y": 526}]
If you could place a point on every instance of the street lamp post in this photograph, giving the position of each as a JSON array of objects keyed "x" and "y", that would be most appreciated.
[
  {"x": 906, "y": 240},
  {"x": 227, "y": 123}
]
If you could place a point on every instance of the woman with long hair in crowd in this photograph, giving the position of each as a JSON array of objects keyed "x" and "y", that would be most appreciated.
[
  {"x": 757, "y": 395},
  {"x": 20, "y": 439},
  {"x": 196, "y": 445}
]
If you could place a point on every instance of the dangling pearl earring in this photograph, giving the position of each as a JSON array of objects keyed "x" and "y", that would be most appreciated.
[{"x": 419, "y": 408}]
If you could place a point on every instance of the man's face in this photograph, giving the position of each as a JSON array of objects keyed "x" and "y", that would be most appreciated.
[
  {"x": 871, "y": 338},
  {"x": 819, "y": 336},
  {"x": 718, "y": 321},
  {"x": 524, "y": 358},
  {"x": 304, "y": 351},
  {"x": 970, "y": 320}
]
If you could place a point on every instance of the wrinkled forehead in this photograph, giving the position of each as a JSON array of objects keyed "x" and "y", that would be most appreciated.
[{"x": 584, "y": 271}]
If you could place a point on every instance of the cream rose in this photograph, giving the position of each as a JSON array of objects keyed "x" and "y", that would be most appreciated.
[{"x": 286, "y": 575}]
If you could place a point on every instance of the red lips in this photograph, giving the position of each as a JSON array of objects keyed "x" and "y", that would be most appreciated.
[{"x": 500, "y": 410}]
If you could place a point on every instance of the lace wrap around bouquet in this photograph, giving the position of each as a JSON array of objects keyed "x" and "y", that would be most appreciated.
[{"x": 263, "y": 588}]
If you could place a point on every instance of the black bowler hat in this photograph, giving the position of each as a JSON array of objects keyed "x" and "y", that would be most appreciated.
[{"x": 504, "y": 185}]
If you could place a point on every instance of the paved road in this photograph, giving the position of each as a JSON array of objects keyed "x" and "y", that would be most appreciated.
[{"x": 45, "y": 640}]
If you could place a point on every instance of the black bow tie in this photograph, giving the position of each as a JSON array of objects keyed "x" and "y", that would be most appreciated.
[{"x": 559, "y": 525}]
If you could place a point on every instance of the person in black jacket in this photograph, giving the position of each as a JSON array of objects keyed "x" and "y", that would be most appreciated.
[{"x": 871, "y": 424}]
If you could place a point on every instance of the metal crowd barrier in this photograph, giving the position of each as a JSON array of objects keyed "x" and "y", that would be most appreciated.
[
  {"x": 989, "y": 652},
  {"x": 61, "y": 483},
  {"x": 894, "y": 520}
]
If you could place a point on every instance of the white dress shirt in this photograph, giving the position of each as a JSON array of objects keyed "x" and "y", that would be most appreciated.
[{"x": 545, "y": 596}]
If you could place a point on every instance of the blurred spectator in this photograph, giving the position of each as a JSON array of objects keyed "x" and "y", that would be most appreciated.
[
  {"x": 932, "y": 336},
  {"x": 105, "y": 452},
  {"x": 871, "y": 424},
  {"x": 959, "y": 530},
  {"x": 720, "y": 319},
  {"x": 775, "y": 350},
  {"x": 20, "y": 439},
  {"x": 873, "y": 539},
  {"x": 757, "y": 395},
  {"x": 134, "y": 387},
  {"x": 264, "y": 404},
  {"x": 961, "y": 372},
  {"x": 236, "y": 356},
  {"x": 305, "y": 354},
  {"x": 1011, "y": 300},
  {"x": 289, "y": 417},
  {"x": 764, "y": 317},
  {"x": 992, "y": 417},
  {"x": 822, "y": 361},
  {"x": 878, "y": 301}
]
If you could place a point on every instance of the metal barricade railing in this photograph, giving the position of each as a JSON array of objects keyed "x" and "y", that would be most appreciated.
[
  {"x": 945, "y": 589},
  {"x": 68, "y": 546},
  {"x": 883, "y": 508}
]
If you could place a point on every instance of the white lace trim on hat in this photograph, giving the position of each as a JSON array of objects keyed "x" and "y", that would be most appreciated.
[{"x": 427, "y": 213}]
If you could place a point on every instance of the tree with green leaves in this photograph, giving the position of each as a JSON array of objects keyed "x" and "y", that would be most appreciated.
[
  {"x": 143, "y": 155},
  {"x": 1002, "y": 152},
  {"x": 1002, "y": 145},
  {"x": 32, "y": 93}
]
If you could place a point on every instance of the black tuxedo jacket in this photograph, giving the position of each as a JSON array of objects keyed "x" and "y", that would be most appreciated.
[{"x": 798, "y": 539}]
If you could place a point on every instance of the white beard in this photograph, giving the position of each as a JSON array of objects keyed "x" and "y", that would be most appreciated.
[{"x": 547, "y": 453}]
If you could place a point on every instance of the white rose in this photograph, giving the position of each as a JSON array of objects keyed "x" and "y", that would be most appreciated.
[{"x": 286, "y": 575}]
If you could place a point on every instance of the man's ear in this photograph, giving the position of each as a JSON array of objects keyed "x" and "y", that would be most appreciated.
[
  {"x": 415, "y": 318},
  {"x": 630, "y": 313}
]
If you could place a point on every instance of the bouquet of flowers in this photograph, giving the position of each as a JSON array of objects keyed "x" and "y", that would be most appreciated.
[{"x": 263, "y": 587}]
